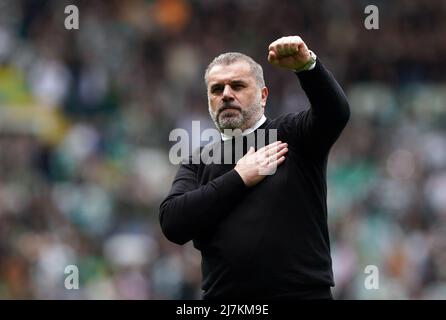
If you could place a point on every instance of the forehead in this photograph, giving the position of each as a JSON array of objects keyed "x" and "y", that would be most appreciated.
[{"x": 239, "y": 70}]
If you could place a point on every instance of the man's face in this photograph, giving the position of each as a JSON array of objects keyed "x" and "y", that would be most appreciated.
[{"x": 235, "y": 100}]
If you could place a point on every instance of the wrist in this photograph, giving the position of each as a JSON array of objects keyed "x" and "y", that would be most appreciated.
[
  {"x": 310, "y": 64},
  {"x": 240, "y": 173}
]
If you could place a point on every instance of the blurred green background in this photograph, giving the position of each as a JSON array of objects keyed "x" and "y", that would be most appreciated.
[{"x": 85, "y": 117}]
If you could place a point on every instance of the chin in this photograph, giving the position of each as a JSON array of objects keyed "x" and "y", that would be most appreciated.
[{"x": 231, "y": 124}]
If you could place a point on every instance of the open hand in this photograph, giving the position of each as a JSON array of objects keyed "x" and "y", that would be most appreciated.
[{"x": 256, "y": 165}]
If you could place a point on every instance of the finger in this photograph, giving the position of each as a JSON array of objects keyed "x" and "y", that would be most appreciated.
[
  {"x": 272, "y": 57},
  {"x": 270, "y": 168},
  {"x": 268, "y": 146},
  {"x": 267, "y": 149},
  {"x": 303, "y": 50},
  {"x": 282, "y": 46},
  {"x": 275, "y": 149},
  {"x": 277, "y": 155},
  {"x": 279, "y": 43},
  {"x": 275, "y": 163},
  {"x": 273, "y": 45},
  {"x": 294, "y": 48},
  {"x": 287, "y": 49},
  {"x": 267, "y": 160},
  {"x": 279, "y": 50},
  {"x": 297, "y": 40},
  {"x": 273, "y": 49},
  {"x": 248, "y": 156},
  {"x": 293, "y": 44}
]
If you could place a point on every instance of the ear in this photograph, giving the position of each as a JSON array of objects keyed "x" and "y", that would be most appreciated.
[{"x": 264, "y": 96}]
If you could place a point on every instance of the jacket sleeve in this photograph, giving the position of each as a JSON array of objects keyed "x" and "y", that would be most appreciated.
[
  {"x": 191, "y": 210},
  {"x": 320, "y": 126}
]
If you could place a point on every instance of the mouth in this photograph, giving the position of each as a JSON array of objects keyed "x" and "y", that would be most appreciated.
[{"x": 229, "y": 108}]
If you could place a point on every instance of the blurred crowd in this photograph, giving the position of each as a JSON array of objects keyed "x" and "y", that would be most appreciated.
[{"x": 85, "y": 117}]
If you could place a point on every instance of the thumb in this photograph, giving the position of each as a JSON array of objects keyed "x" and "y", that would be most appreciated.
[{"x": 251, "y": 150}]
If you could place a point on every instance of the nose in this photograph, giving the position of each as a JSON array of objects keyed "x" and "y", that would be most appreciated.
[{"x": 228, "y": 95}]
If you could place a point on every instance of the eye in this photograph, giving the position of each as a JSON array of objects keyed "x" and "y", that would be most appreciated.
[
  {"x": 216, "y": 89},
  {"x": 238, "y": 85}
]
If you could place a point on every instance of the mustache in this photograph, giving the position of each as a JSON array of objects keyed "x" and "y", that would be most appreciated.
[{"x": 228, "y": 106}]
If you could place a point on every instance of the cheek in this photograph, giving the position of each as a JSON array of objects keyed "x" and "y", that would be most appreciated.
[
  {"x": 213, "y": 107},
  {"x": 249, "y": 99},
  {"x": 212, "y": 103}
]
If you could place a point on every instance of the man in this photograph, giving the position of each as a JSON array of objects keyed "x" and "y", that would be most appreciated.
[{"x": 262, "y": 236}]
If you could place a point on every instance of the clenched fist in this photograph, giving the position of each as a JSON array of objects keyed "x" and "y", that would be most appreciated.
[{"x": 290, "y": 53}]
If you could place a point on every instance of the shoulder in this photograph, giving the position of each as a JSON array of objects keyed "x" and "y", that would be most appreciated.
[
  {"x": 288, "y": 121},
  {"x": 290, "y": 126}
]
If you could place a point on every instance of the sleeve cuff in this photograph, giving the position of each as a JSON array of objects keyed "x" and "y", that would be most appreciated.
[
  {"x": 230, "y": 183},
  {"x": 310, "y": 65}
]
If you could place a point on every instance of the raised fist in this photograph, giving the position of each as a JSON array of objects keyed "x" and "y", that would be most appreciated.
[{"x": 290, "y": 53}]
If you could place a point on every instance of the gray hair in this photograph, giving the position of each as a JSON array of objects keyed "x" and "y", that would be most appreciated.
[{"x": 232, "y": 57}]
